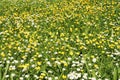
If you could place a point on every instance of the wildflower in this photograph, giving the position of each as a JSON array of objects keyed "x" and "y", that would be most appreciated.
[
  {"x": 85, "y": 75},
  {"x": 94, "y": 60},
  {"x": 15, "y": 61},
  {"x": 21, "y": 78},
  {"x": 39, "y": 63},
  {"x": 62, "y": 34},
  {"x": 25, "y": 66},
  {"x": 8, "y": 61},
  {"x": 27, "y": 76},
  {"x": 50, "y": 71},
  {"x": 6, "y": 76},
  {"x": 22, "y": 61},
  {"x": 55, "y": 52},
  {"x": 62, "y": 53},
  {"x": 64, "y": 77},
  {"x": 71, "y": 30},
  {"x": 12, "y": 67},
  {"x": 73, "y": 65},
  {"x": 69, "y": 58},
  {"x": 57, "y": 62},
  {"x": 49, "y": 78},
  {"x": 2, "y": 54},
  {"x": 43, "y": 74},
  {"x": 93, "y": 78},
  {"x": 71, "y": 53},
  {"x": 73, "y": 75},
  {"x": 40, "y": 55},
  {"x": 41, "y": 77},
  {"x": 65, "y": 64},
  {"x": 63, "y": 69},
  {"x": 56, "y": 78},
  {"x": 32, "y": 65},
  {"x": 78, "y": 69},
  {"x": 13, "y": 74},
  {"x": 53, "y": 59},
  {"x": 48, "y": 63},
  {"x": 116, "y": 53},
  {"x": 36, "y": 76},
  {"x": 37, "y": 68},
  {"x": 96, "y": 66},
  {"x": 83, "y": 60}
]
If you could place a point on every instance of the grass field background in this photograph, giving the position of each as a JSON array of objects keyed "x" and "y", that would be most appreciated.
[{"x": 59, "y": 40}]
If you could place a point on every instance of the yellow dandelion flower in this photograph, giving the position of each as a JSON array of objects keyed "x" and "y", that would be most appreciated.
[
  {"x": 2, "y": 54},
  {"x": 9, "y": 46},
  {"x": 64, "y": 76},
  {"x": 78, "y": 53},
  {"x": 118, "y": 46},
  {"x": 24, "y": 66},
  {"x": 43, "y": 74},
  {"x": 71, "y": 30},
  {"x": 34, "y": 59},
  {"x": 53, "y": 59},
  {"x": 24, "y": 57},
  {"x": 62, "y": 53},
  {"x": 81, "y": 70},
  {"x": 92, "y": 56},
  {"x": 71, "y": 53},
  {"x": 65, "y": 64},
  {"x": 62, "y": 34},
  {"x": 39, "y": 63},
  {"x": 37, "y": 68},
  {"x": 81, "y": 47},
  {"x": 95, "y": 65},
  {"x": 41, "y": 77}
]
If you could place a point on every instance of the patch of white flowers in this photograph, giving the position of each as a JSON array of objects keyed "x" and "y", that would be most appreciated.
[
  {"x": 116, "y": 53},
  {"x": 74, "y": 75}
]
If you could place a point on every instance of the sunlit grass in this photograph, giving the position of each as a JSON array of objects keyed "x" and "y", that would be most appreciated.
[{"x": 59, "y": 40}]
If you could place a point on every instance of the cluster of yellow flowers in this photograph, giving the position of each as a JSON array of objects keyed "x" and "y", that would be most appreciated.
[{"x": 54, "y": 39}]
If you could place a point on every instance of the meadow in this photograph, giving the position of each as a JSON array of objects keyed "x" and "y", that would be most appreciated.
[{"x": 59, "y": 40}]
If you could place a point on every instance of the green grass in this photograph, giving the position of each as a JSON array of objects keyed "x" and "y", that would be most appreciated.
[{"x": 59, "y": 40}]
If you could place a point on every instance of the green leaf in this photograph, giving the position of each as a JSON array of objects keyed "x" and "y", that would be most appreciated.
[{"x": 115, "y": 74}]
